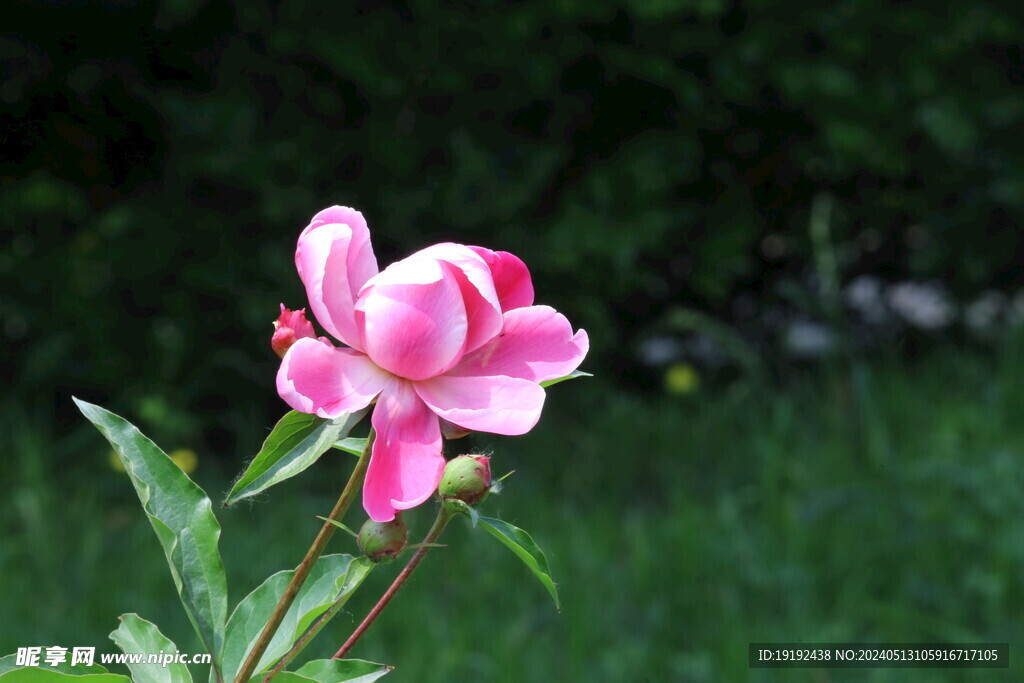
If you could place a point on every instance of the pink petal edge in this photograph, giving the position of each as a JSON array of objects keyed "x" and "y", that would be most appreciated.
[
  {"x": 317, "y": 377},
  {"x": 483, "y": 310},
  {"x": 512, "y": 280},
  {"x": 536, "y": 344},
  {"x": 500, "y": 405},
  {"x": 413, "y": 318},
  {"x": 335, "y": 258},
  {"x": 406, "y": 463}
]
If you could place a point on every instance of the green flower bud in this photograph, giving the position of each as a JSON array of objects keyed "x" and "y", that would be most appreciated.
[
  {"x": 383, "y": 541},
  {"x": 466, "y": 478}
]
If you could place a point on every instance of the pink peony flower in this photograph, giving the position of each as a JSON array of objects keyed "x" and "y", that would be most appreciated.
[
  {"x": 447, "y": 333},
  {"x": 290, "y": 327}
]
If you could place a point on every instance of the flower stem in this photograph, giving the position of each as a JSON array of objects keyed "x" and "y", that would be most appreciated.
[
  {"x": 355, "y": 482},
  {"x": 443, "y": 517}
]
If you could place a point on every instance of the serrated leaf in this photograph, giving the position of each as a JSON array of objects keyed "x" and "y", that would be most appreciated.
[
  {"x": 339, "y": 670},
  {"x": 520, "y": 543},
  {"x": 296, "y": 442},
  {"x": 182, "y": 517},
  {"x": 572, "y": 375},
  {"x": 135, "y": 635},
  {"x": 333, "y": 578},
  {"x": 354, "y": 446}
]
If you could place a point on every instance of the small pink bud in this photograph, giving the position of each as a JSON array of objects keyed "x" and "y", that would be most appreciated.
[
  {"x": 290, "y": 327},
  {"x": 466, "y": 478}
]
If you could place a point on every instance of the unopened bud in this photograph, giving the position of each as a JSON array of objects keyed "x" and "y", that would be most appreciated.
[
  {"x": 289, "y": 327},
  {"x": 466, "y": 478},
  {"x": 383, "y": 541}
]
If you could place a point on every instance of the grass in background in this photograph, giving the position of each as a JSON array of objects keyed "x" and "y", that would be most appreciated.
[{"x": 881, "y": 502}]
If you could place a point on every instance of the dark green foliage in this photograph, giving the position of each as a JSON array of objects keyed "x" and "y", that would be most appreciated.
[
  {"x": 881, "y": 506},
  {"x": 634, "y": 154},
  {"x": 159, "y": 160}
]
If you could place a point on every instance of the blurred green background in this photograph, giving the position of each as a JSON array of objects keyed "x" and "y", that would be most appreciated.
[{"x": 792, "y": 232}]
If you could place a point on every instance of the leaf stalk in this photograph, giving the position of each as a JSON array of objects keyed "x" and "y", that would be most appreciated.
[{"x": 429, "y": 541}]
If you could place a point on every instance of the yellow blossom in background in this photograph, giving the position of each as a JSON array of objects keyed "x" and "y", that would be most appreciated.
[
  {"x": 115, "y": 462},
  {"x": 185, "y": 458},
  {"x": 682, "y": 378}
]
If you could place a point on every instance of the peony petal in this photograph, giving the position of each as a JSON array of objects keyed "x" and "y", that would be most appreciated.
[
  {"x": 537, "y": 344},
  {"x": 335, "y": 258},
  {"x": 406, "y": 463},
  {"x": 413, "y": 319},
  {"x": 501, "y": 405},
  {"x": 483, "y": 310},
  {"x": 511, "y": 277},
  {"x": 316, "y": 377}
]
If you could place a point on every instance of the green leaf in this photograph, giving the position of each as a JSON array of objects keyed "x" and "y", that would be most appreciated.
[
  {"x": 297, "y": 441},
  {"x": 334, "y": 577},
  {"x": 135, "y": 635},
  {"x": 519, "y": 542},
  {"x": 182, "y": 517},
  {"x": 10, "y": 663},
  {"x": 338, "y": 670},
  {"x": 352, "y": 445},
  {"x": 32, "y": 674},
  {"x": 572, "y": 375}
]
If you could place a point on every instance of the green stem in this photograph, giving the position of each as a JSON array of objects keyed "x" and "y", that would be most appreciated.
[
  {"x": 443, "y": 517},
  {"x": 348, "y": 495}
]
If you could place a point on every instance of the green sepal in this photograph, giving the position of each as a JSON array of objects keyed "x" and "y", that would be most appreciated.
[
  {"x": 338, "y": 524},
  {"x": 459, "y": 506},
  {"x": 572, "y": 375}
]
